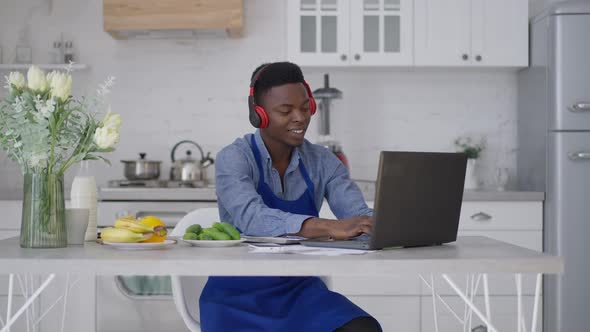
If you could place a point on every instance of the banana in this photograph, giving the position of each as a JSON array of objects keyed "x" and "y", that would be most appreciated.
[
  {"x": 133, "y": 225},
  {"x": 121, "y": 235}
]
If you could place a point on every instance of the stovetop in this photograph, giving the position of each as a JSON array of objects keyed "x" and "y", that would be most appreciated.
[
  {"x": 155, "y": 184},
  {"x": 157, "y": 190}
]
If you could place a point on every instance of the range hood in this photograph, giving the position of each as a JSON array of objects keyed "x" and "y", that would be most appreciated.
[{"x": 128, "y": 18}]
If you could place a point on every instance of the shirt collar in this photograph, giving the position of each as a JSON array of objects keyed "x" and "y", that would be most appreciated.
[{"x": 295, "y": 156}]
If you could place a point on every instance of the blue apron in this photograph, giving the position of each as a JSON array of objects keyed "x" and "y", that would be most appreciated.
[{"x": 275, "y": 303}]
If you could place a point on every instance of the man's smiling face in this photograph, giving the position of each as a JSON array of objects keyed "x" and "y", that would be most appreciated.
[{"x": 288, "y": 113}]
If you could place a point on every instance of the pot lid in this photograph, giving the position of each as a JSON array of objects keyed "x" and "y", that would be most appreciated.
[{"x": 141, "y": 159}]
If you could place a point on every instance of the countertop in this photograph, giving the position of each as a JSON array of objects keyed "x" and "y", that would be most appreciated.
[
  {"x": 208, "y": 194},
  {"x": 367, "y": 188},
  {"x": 470, "y": 254}
]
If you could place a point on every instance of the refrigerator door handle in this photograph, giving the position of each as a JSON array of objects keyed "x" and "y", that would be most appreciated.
[
  {"x": 575, "y": 156},
  {"x": 580, "y": 107}
]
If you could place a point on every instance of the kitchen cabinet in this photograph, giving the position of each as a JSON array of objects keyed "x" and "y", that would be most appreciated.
[
  {"x": 516, "y": 222},
  {"x": 169, "y": 212},
  {"x": 481, "y": 33},
  {"x": 350, "y": 33},
  {"x": 124, "y": 18}
]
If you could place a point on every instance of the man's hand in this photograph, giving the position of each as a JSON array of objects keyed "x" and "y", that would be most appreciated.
[
  {"x": 336, "y": 229},
  {"x": 351, "y": 227}
]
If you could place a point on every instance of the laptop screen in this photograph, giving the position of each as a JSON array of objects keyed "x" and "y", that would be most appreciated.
[{"x": 418, "y": 198}]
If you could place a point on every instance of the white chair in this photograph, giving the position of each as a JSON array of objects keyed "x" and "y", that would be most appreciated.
[{"x": 186, "y": 290}]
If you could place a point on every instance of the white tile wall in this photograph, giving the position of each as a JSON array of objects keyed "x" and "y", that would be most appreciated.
[{"x": 169, "y": 90}]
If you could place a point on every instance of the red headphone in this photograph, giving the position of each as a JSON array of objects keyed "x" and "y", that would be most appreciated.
[{"x": 258, "y": 115}]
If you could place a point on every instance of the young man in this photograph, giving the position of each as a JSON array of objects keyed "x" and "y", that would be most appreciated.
[{"x": 273, "y": 182}]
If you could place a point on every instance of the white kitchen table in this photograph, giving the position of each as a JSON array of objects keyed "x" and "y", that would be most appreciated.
[{"x": 468, "y": 255}]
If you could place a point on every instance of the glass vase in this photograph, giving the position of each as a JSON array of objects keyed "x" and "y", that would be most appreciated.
[{"x": 43, "y": 217}]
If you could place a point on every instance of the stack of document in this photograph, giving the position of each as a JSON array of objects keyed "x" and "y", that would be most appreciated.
[
  {"x": 274, "y": 248},
  {"x": 286, "y": 239}
]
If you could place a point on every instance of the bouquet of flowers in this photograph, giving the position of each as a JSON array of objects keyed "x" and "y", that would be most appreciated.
[
  {"x": 45, "y": 130},
  {"x": 469, "y": 147}
]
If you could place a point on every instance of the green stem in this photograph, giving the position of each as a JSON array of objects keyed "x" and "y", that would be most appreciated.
[
  {"x": 53, "y": 131},
  {"x": 52, "y": 155},
  {"x": 82, "y": 147}
]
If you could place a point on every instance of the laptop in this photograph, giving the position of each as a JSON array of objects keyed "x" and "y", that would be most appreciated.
[{"x": 417, "y": 202}]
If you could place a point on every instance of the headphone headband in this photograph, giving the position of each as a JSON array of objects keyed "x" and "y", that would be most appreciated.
[{"x": 256, "y": 77}]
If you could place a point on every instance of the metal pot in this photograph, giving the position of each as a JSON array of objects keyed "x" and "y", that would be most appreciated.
[
  {"x": 142, "y": 169},
  {"x": 189, "y": 169}
]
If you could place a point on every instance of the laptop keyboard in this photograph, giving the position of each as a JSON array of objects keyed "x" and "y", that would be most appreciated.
[{"x": 363, "y": 238}]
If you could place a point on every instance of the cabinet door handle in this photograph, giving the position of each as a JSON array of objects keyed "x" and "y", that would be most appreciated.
[
  {"x": 478, "y": 58},
  {"x": 465, "y": 57},
  {"x": 481, "y": 216},
  {"x": 580, "y": 107},
  {"x": 357, "y": 57},
  {"x": 343, "y": 57},
  {"x": 576, "y": 156}
]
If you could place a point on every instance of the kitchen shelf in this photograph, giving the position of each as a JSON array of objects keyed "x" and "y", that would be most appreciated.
[{"x": 76, "y": 66}]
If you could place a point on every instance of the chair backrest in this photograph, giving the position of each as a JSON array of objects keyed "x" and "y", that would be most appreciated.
[
  {"x": 186, "y": 290},
  {"x": 205, "y": 217}
]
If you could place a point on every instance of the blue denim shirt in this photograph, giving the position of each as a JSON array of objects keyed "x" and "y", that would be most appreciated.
[{"x": 237, "y": 178}]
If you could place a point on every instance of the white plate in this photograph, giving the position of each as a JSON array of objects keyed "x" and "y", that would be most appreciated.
[
  {"x": 140, "y": 246},
  {"x": 213, "y": 243}
]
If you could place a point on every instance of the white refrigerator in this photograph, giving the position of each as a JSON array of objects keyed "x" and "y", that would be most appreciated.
[{"x": 554, "y": 154}]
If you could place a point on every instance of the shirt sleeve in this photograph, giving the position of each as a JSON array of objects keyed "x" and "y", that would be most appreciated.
[
  {"x": 236, "y": 190},
  {"x": 343, "y": 195}
]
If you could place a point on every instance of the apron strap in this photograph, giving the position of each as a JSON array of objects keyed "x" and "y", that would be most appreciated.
[
  {"x": 310, "y": 186},
  {"x": 257, "y": 158}
]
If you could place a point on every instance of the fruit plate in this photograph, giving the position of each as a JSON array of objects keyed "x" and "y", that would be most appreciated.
[
  {"x": 213, "y": 243},
  {"x": 140, "y": 246}
]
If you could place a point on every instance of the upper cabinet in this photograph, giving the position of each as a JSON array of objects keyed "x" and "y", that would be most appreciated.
[
  {"x": 471, "y": 33},
  {"x": 350, "y": 33},
  {"x": 124, "y": 18}
]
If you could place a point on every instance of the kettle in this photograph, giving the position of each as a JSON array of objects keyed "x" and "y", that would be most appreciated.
[{"x": 189, "y": 169}]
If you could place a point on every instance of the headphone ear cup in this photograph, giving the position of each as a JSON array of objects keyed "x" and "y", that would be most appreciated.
[
  {"x": 261, "y": 112},
  {"x": 312, "y": 103},
  {"x": 252, "y": 115},
  {"x": 254, "y": 119},
  {"x": 312, "y": 106}
]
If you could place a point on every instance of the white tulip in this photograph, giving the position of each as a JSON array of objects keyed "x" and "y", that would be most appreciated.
[
  {"x": 50, "y": 75},
  {"x": 61, "y": 85},
  {"x": 36, "y": 78},
  {"x": 106, "y": 137},
  {"x": 16, "y": 79},
  {"x": 112, "y": 120}
]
